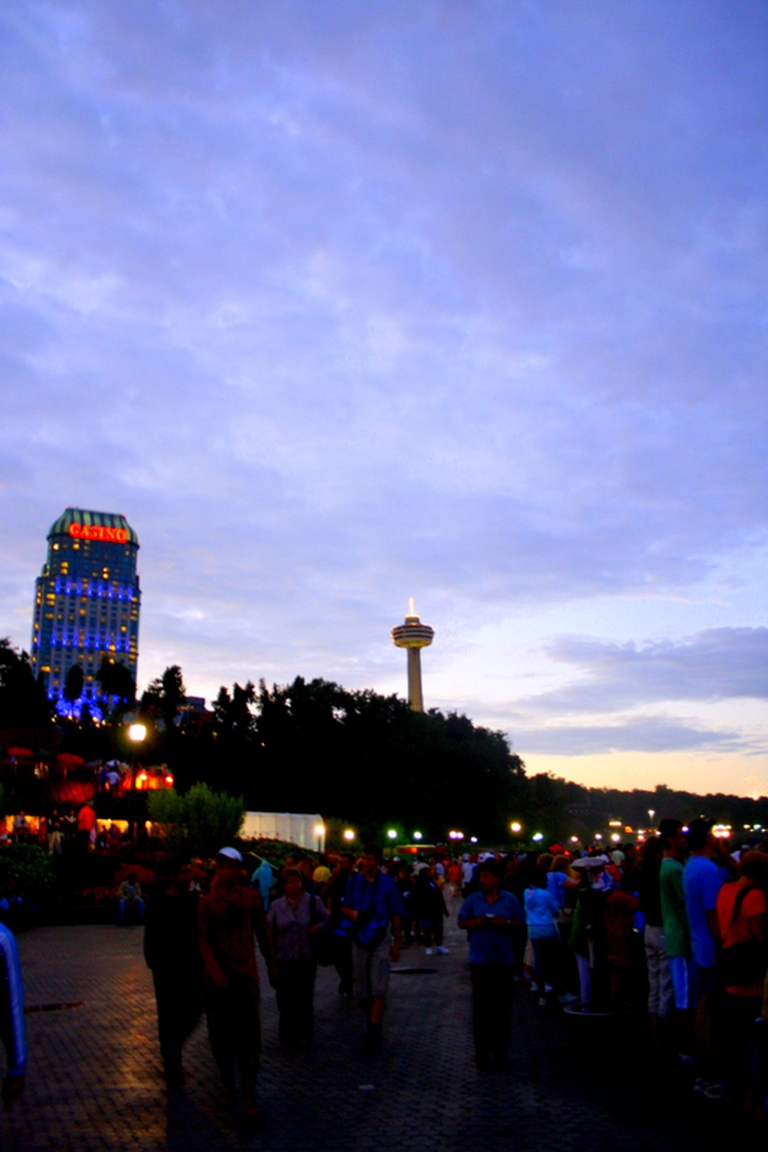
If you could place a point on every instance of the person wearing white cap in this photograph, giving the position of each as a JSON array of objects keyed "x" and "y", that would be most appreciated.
[{"x": 229, "y": 916}]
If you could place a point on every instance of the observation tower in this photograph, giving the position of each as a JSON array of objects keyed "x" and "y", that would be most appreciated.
[{"x": 414, "y": 636}]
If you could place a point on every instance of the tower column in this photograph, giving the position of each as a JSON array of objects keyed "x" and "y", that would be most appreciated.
[
  {"x": 413, "y": 636},
  {"x": 415, "y": 694}
]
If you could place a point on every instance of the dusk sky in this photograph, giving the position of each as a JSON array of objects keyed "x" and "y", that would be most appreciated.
[{"x": 345, "y": 302}]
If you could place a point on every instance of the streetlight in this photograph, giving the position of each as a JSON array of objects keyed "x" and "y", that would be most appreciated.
[
  {"x": 516, "y": 827},
  {"x": 537, "y": 837},
  {"x": 319, "y": 831},
  {"x": 137, "y": 733},
  {"x": 418, "y": 835},
  {"x": 348, "y": 835}
]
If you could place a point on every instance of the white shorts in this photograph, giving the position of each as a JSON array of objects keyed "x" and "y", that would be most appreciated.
[{"x": 371, "y": 969}]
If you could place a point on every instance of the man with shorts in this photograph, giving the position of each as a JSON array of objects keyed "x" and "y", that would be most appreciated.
[
  {"x": 373, "y": 905},
  {"x": 677, "y": 933}
]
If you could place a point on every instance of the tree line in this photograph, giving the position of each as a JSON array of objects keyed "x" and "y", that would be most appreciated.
[{"x": 353, "y": 755}]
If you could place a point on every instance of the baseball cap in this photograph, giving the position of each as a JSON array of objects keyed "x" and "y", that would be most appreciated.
[{"x": 231, "y": 854}]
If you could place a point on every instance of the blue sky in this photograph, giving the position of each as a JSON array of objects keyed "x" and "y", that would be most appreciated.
[{"x": 342, "y": 303}]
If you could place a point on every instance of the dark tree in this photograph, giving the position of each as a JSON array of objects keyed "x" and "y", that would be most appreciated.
[
  {"x": 165, "y": 695},
  {"x": 117, "y": 684},
  {"x": 233, "y": 715},
  {"x": 344, "y": 753},
  {"x": 73, "y": 685},
  {"x": 23, "y": 701}
]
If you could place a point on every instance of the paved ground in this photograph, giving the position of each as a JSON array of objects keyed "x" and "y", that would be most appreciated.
[{"x": 94, "y": 1078}]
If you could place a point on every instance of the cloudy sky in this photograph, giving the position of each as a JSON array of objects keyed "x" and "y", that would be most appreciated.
[{"x": 348, "y": 301}]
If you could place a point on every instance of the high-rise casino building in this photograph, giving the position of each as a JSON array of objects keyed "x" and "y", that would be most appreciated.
[{"x": 86, "y": 600}]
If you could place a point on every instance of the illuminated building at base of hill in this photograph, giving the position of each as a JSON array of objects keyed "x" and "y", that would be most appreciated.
[{"x": 86, "y": 604}]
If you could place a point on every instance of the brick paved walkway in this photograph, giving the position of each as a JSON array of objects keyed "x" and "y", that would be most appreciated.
[{"x": 94, "y": 1078}]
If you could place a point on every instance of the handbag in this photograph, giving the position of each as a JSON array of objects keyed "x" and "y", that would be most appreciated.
[{"x": 322, "y": 941}]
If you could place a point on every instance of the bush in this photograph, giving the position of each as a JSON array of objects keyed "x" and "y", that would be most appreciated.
[
  {"x": 199, "y": 822},
  {"x": 276, "y": 851},
  {"x": 27, "y": 868}
]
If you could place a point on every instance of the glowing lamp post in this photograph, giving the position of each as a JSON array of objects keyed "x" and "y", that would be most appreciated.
[
  {"x": 413, "y": 635},
  {"x": 137, "y": 733},
  {"x": 319, "y": 831}
]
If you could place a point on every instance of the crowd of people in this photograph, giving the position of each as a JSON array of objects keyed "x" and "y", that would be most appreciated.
[
  {"x": 676, "y": 929},
  {"x": 64, "y": 831}
]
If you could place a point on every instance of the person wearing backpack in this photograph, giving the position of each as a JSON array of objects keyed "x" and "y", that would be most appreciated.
[{"x": 374, "y": 909}]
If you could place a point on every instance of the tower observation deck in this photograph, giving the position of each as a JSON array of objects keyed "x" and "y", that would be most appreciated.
[{"x": 413, "y": 635}]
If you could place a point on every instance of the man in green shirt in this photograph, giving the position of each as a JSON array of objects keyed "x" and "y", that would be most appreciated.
[{"x": 677, "y": 933}]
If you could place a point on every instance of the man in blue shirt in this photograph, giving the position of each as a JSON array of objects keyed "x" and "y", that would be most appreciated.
[
  {"x": 493, "y": 918},
  {"x": 702, "y": 880},
  {"x": 372, "y": 903}
]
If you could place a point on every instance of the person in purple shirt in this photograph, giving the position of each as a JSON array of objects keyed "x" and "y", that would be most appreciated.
[{"x": 293, "y": 920}]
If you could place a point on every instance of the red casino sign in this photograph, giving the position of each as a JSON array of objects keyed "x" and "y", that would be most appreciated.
[{"x": 98, "y": 532}]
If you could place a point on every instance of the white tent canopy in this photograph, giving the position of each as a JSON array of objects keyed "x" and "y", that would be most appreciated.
[{"x": 296, "y": 827}]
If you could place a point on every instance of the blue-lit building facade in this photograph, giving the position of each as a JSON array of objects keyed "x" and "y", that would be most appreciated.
[{"x": 87, "y": 600}]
